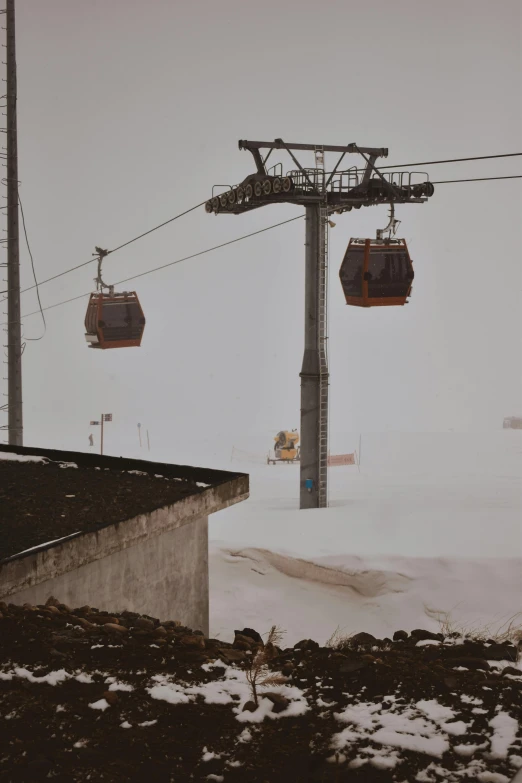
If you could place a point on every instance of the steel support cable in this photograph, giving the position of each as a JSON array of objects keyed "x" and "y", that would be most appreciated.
[
  {"x": 208, "y": 250},
  {"x": 166, "y": 222},
  {"x": 114, "y": 250},
  {"x": 172, "y": 263}
]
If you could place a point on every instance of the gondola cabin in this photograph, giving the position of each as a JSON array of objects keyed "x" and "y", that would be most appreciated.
[
  {"x": 114, "y": 320},
  {"x": 376, "y": 272}
]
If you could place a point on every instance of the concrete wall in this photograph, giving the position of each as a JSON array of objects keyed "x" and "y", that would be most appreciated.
[
  {"x": 165, "y": 576},
  {"x": 155, "y": 563}
]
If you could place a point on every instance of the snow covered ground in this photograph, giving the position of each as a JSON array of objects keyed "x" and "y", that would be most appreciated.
[{"x": 431, "y": 521}]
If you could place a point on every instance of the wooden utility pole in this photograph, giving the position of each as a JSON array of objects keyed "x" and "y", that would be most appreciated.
[{"x": 14, "y": 327}]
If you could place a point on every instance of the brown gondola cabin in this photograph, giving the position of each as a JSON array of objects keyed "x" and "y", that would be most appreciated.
[
  {"x": 376, "y": 272},
  {"x": 114, "y": 320}
]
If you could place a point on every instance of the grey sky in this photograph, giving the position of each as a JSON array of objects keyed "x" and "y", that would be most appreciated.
[{"x": 129, "y": 112}]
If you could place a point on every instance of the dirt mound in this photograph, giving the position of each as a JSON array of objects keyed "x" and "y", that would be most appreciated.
[{"x": 91, "y": 695}]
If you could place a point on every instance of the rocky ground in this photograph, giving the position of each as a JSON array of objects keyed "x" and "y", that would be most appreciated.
[{"x": 88, "y": 695}]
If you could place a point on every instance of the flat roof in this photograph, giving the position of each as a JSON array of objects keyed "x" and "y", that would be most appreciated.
[{"x": 47, "y": 496}]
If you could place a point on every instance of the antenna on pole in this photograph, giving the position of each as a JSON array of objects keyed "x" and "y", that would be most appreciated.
[{"x": 14, "y": 326}]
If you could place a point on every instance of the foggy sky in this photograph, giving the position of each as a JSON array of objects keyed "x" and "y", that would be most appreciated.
[{"x": 130, "y": 112}]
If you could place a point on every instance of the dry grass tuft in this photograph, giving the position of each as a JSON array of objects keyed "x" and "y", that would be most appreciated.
[
  {"x": 258, "y": 674},
  {"x": 339, "y": 639},
  {"x": 508, "y": 629}
]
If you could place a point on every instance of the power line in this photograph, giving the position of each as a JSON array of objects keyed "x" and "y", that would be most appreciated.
[
  {"x": 178, "y": 261},
  {"x": 451, "y": 160},
  {"x": 114, "y": 250},
  {"x": 238, "y": 239},
  {"x": 34, "y": 272},
  {"x": 146, "y": 233},
  {"x": 186, "y": 212},
  {"x": 477, "y": 179}
]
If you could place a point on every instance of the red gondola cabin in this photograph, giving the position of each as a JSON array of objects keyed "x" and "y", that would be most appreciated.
[
  {"x": 376, "y": 272},
  {"x": 114, "y": 320}
]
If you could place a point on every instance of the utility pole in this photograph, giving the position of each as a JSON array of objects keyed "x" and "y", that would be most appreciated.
[
  {"x": 321, "y": 194},
  {"x": 14, "y": 327}
]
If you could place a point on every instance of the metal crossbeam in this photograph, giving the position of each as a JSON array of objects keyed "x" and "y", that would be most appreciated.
[{"x": 380, "y": 152}]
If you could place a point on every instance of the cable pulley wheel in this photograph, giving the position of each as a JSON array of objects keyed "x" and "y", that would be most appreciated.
[
  {"x": 223, "y": 200},
  {"x": 215, "y": 203},
  {"x": 286, "y": 184},
  {"x": 249, "y": 191},
  {"x": 232, "y": 196},
  {"x": 267, "y": 187},
  {"x": 208, "y": 207},
  {"x": 258, "y": 189},
  {"x": 277, "y": 185},
  {"x": 240, "y": 193}
]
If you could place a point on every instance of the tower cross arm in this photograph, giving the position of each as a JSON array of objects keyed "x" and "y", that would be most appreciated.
[{"x": 379, "y": 152}]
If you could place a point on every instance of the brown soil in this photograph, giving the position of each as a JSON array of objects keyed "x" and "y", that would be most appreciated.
[
  {"x": 41, "y": 502},
  {"x": 41, "y": 723}
]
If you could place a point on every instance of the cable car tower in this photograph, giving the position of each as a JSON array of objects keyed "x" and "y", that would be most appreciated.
[{"x": 321, "y": 193}]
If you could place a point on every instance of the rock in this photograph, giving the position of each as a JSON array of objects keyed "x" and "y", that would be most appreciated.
[
  {"x": 287, "y": 669},
  {"x": 363, "y": 638},
  {"x": 271, "y": 651},
  {"x": 419, "y": 634},
  {"x": 103, "y": 619},
  {"x": 52, "y": 601},
  {"x": 251, "y": 634},
  {"x": 349, "y": 667},
  {"x": 501, "y": 652},
  {"x": 171, "y": 623},
  {"x": 56, "y": 654},
  {"x": 82, "y": 622},
  {"x": 278, "y": 700},
  {"x": 306, "y": 645},
  {"x": 52, "y": 609},
  {"x": 38, "y": 768},
  {"x": 240, "y": 645},
  {"x": 111, "y": 697},
  {"x": 193, "y": 641},
  {"x": 115, "y": 629},
  {"x": 469, "y": 663},
  {"x": 243, "y": 642},
  {"x": 64, "y": 608},
  {"x": 368, "y": 658},
  {"x": 511, "y": 670},
  {"x": 249, "y": 706},
  {"x": 232, "y": 656},
  {"x": 214, "y": 643},
  {"x": 130, "y": 615},
  {"x": 400, "y": 636},
  {"x": 160, "y": 631},
  {"x": 451, "y": 682}
]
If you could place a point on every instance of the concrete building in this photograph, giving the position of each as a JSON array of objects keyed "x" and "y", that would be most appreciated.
[{"x": 109, "y": 532}]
